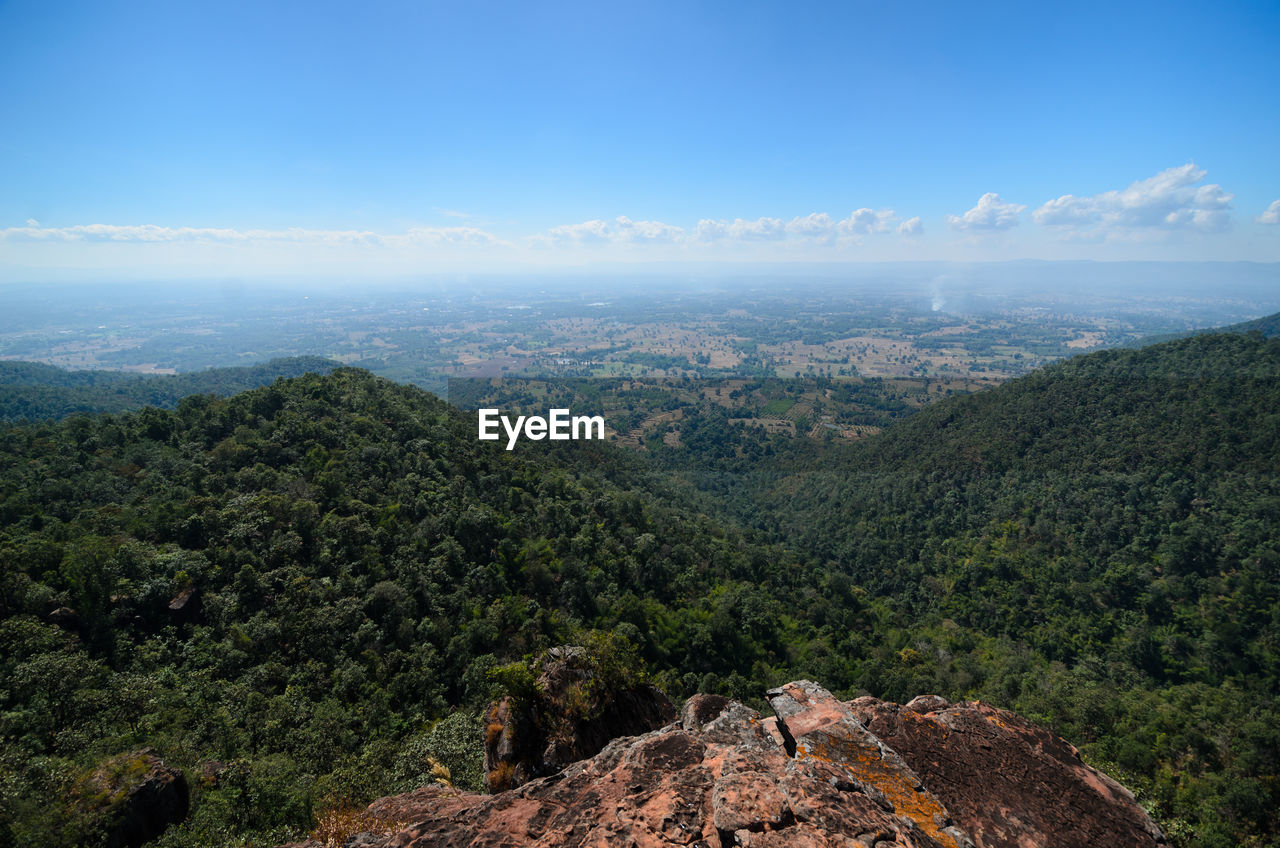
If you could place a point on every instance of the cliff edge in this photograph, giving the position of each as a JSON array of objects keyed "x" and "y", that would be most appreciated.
[{"x": 819, "y": 772}]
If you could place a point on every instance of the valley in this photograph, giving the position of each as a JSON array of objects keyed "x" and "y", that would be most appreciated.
[{"x": 311, "y": 590}]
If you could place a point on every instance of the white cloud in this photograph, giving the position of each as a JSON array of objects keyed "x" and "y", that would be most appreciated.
[
  {"x": 449, "y": 235},
  {"x": 1272, "y": 215},
  {"x": 1170, "y": 200},
  {"x": 150, "y": 233},
  {"x": 588, "y": 232},
  {"x": 991, "y": 213},
  {"x": 647, "y": 231},
  {"x": 709, "y": 230},
  {"x": 623, "y": 230},
  {"x": 739, "y": 229},
  {"x": 816, "y": 226},
  {"x": 867, "y": 222},
  {"x": 114, "y": 232},
  {"x": 911, "y": 227}
]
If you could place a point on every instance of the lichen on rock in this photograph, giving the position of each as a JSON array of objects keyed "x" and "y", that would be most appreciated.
[{"x": 820, "y": 773}]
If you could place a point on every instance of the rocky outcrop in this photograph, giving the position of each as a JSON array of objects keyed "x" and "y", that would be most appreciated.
[
  {"x": 1008, "y": 783},
  {"x": 66, "y": 618},
  {"x": 819, "y": 772},
  {"x": 136, "y": 797},
  {"x": 568, "y": 719},
  {"x": 816, "y": 728}
]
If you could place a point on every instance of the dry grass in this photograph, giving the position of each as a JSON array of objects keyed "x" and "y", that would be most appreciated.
[
  {"x": 336, "y": 825},
  {"x": 441, "y": 775}
]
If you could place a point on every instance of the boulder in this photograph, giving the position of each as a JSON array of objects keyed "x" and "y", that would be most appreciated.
[
  {"x": 819, "y": 773},
  {"x": 186, "y": 607},
  {"x": 136, "y": 796},
  {"x": 66, "y": 618}
]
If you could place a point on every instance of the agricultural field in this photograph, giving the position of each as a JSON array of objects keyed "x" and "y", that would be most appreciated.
[
  {"x": 820, "y": 330},
  {"x": 641, "y": 411}
]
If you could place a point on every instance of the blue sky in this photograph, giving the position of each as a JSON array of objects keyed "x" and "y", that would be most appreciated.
[{"x": 266, "y": 138}]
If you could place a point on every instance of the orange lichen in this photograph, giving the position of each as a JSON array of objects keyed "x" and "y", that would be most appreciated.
[
  {"x": 500, "y": 777},
  {"x": 995, "y": 719},
  {"x": 865, "y": 762}
]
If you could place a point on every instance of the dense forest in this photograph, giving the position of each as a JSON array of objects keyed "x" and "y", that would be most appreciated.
[
  {"x": 355, "y": 561},
  {"x": 303, "y": 594},
  {"x": 31, "y": 391},
  {"x": 1094, "y": 545},
  {"x": 1268, "y": 325}
]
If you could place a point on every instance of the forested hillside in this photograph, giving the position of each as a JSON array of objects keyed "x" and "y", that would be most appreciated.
[
  {"x": 1096, "y": 545},
  {"x": 30, "y": 391},
  {"x": 1267, "y": 325},
  {"x": 287, "y": 589},
  {"x": 301, "y": 591}
]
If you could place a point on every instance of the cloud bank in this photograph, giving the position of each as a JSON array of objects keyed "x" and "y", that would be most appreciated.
[
  {"x": 814, "y": 228},
  {"x": 991, "y": 213},
  {"x": 1174, "y": 210},
  {"x": 152, "y": 233},
  {"x": 1170, "y": 200}
]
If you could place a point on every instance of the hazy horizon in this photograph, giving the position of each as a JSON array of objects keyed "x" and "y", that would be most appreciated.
[{"x": 1027, "y": 278}]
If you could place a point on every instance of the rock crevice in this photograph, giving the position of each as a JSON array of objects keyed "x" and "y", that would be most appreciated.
[{"x": 820, "y": 772}]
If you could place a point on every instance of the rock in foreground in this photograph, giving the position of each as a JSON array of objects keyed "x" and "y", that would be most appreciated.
[
  {"x": 1009, "y": 783},
  {"x": 136, "y": 797},
  {"x": 813, "y": 775}
]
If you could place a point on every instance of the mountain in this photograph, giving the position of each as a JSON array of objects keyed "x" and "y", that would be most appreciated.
[
  {"x": 1094, "y": 545},
  {"x": 1268, "y": 325},
  {"x": 31, "y": 391},
  {"x": 303, "y": 596},
  {"x": 304, "y": 585}
]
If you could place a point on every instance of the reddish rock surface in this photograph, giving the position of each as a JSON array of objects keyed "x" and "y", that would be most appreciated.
[
  {"x": 1008, "y": 783},
  {"x": 817, "y": 727},
  {"x": 817, "y": 774}
]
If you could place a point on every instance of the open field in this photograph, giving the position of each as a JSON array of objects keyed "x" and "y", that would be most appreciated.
[
  {"x": 822, "y": 331},
  {"x": 640, "y": 410}
]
